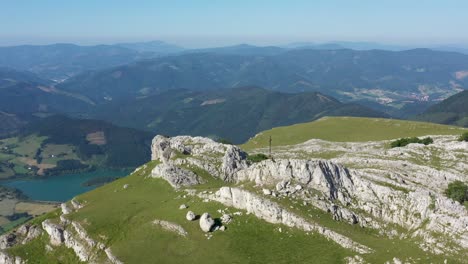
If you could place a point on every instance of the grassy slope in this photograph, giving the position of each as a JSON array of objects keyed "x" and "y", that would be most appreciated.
[
  {"x": 348, "y": 129},
  {"x": 122, "y": 218}
]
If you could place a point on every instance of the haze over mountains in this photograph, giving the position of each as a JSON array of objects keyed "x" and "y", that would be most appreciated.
[
  {"x": 61, "y": 61},
  {"x": 161, "y": 87},
  {"x": 384, "y": 77}
]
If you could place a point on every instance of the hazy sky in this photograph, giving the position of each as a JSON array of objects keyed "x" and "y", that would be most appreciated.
[{"x": 197, "y": 23}]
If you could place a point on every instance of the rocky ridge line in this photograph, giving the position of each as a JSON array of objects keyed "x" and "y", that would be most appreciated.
[{"x": 379, "y": 199}]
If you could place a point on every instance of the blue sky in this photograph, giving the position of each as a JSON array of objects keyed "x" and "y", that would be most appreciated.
[{"x": 199, "y": 23}]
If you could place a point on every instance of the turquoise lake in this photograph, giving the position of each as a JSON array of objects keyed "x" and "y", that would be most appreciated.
[{"x": 63, "y": 187}]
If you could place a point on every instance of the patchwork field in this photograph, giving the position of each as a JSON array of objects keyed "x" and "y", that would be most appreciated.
[
  {"x": 30, "y": 156},
  {"x": 14, "y": 210}
]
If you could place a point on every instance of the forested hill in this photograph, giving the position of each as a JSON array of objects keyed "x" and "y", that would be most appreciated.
[
  {"x": 233, "y": 114},
  {"x": 453, "y": 111}
]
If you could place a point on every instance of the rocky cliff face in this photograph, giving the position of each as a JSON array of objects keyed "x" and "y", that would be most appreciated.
[
  {"x": 220, "y": 160},
  {"x": 366, "y": 195}
]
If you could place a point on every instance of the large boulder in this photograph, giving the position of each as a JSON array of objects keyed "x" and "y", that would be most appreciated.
[
  {"x": 190, "y": 216},
  {"x": 206, "y": 222}
]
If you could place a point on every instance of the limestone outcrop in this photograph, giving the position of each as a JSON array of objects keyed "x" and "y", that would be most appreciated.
[
  {"x": 382, "y": 188},
  {"x": 176, "y": 176},
  {"x": 74, "y": 236},
  {"x": 201, "y": 152},
  {"x": 327, "y": 177},
  {"x": 54, "y": 231},
  {"x": 7, "y": 259},
  {"x": 274, "y": 213}
]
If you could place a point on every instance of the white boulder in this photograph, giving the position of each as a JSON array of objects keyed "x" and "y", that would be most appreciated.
[
  {"x": 206, "y": 222},
  {"x": 190, "y": 216}
]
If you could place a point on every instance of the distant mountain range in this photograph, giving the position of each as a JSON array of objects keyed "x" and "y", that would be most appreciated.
[
  {"x": 113, "y": 83},
  {"x": 235, "y": 114},
  {"x": 60, "y": 61},
  {"x": 452, "y": 111},
  {"x": 25, "y": 93},
  {"x": 156, "y": 47},
  {"x": 371, "y": 46},
  {"x": 389, "y": 78}
]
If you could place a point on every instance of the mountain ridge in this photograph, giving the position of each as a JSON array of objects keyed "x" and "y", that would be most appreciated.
[
  {"x": 453, "y": 111},
  {"x": 234, "y": 114},
  {"x": 388, "y": 78}
]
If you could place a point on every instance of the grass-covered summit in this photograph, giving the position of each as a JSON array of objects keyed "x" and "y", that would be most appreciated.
[{"x": 349, "y": 129}]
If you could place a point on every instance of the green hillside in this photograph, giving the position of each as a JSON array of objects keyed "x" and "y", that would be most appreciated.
[
  {"x": 11, "y": 124},
  {"x": 123, "y": 219},
  {"x": 451, "y": 111},
  {"x": 349, "y": 129}
]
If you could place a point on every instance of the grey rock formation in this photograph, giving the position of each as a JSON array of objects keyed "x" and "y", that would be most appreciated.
[
  {"x": 233, "y": 160},
  {"x": 176, "y": 176},
  {"x": 206, "y": 222},
  {"x": 82, "y": 234},
  {"x": 7, "y": 240},
  {"x": 384, "y": 183},
  {"x": 34, "y": 231},
  {"x": 81, "y": 251},
  {"x": 327, "y": 177},
  {"x": 273, "y": 213},
  {"x": 201, "y": 152},
  {"x": 384, "y": 186},
  {"x": 226, "y": 219},
  {"x": 65, "y": 209},
  {"x": 7, "y": 259},
  {"x": 54, "y": 231},
  {"x": 76, "y": 205},
  {"x": 22, "y": 235}
]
